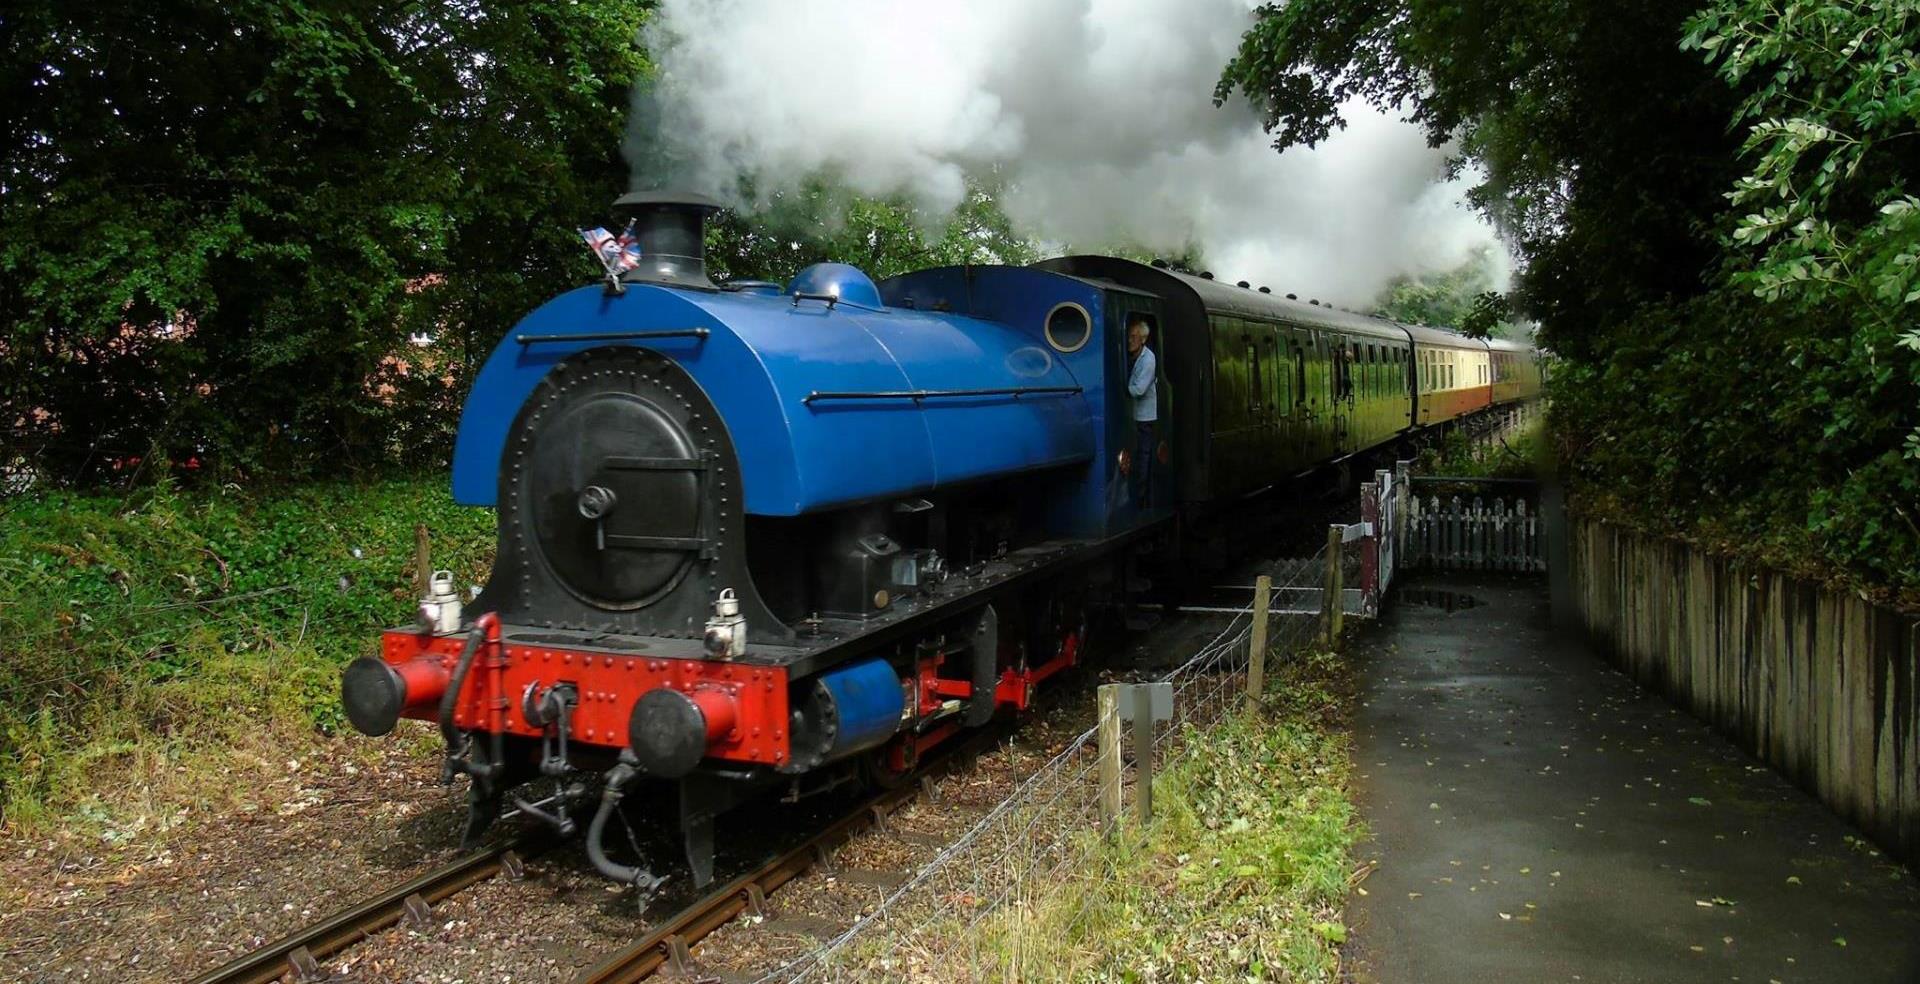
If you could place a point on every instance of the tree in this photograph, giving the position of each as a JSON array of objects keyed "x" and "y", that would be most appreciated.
[
  {"x": 824, "y": 222},
  {"x": 1604, "y": 147},
  {"x": 222, "y": 221},
  {"x": 1826, "y": 229},
  {"x": 1461, "y": 298},
  {"x": 1832, "y": 113},
  {"x": 1732, "y": 331}
]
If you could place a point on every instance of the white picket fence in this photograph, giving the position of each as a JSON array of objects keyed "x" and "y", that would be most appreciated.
[
  {"x": 1401, "y": 529},
  {"x": 1480, "y": 533}
]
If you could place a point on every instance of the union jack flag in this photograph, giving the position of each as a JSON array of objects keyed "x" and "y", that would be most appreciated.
[{"x": 617, "y": 253}]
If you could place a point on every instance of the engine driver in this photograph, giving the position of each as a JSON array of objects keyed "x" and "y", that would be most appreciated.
[{"x": 1142, "y": 374}]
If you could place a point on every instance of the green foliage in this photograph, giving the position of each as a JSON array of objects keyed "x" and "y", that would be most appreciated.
[
  {"x": 1832, "y": 110},
  {"x": 1520, "y": 453},
  {"x": 1721, "y": 253},
  {"x": 882, "y": 237},
  {"x": 1490, "y": 316},
  {"x": 223, "y": 220},
  {"x": 268, "y": 238},
  {"x": 1441, "y": 299},
  {"x": 1756, "y": 428},
  {"x": 1243, "y": 874},
  {"x": 1462, "y": 298},
  {"x": 191, "y": 627},
  {"x": 1603, "y": 148}
]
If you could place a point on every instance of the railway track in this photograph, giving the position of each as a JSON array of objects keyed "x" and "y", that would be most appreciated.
[
  {"x": 298, "y": 954},
  {"x": 670, "y": 943}
]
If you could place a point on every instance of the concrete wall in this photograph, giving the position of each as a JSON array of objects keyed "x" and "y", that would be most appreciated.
[{"x": 1817, "y": 682}]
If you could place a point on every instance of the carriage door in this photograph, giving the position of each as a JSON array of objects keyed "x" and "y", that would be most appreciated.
[
  {"x": 1279, "y": 397},
  {"x": 1296, "y": 407},
  {"x": 1341, "y": 379}
]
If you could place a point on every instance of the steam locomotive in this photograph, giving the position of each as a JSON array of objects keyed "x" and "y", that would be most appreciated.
[{"x": 754, "y": 536}]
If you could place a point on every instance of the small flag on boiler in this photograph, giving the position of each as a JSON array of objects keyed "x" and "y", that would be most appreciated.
[{"x": 617, "y": 254}]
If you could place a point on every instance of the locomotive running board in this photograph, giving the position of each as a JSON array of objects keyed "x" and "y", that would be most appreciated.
[{"x": 1015, "y": 571}]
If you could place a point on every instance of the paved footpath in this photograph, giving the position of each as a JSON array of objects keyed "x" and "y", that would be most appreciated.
[{"x": 1535, "y": 816}]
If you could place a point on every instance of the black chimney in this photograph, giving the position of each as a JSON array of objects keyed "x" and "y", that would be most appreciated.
[{"x": 670, "y": 228}]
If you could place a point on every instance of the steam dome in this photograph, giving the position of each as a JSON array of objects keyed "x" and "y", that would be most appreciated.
[{"x": 840, "y": 280}]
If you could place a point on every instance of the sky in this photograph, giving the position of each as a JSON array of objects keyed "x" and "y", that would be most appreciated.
[{"x": 1095, "y": 118}]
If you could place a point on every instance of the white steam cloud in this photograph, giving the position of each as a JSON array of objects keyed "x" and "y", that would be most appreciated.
[{"x": 1095, "y": 117}]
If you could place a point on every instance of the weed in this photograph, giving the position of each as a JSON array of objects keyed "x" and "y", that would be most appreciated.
[
  {"x": 1519, "y": 454},
  {"x": 157, "y": 645},
  {"x": 1241, "y": 876}
]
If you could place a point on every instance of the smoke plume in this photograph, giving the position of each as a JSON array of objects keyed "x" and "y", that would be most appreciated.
[{"x": 1094, "y": 118}]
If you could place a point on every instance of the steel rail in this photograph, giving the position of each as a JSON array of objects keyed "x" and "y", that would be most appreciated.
[
  {"x": 674, "y": 938},
  {"x": 342, "y": 929}
]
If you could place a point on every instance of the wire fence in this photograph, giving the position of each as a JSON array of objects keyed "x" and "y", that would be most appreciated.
[{"x": 1035, "y": 841}]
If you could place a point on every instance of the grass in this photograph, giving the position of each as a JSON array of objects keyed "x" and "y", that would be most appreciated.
[
  {"x": 162, "y": 647},
  {"x": 1242, "y": 876},
  {"x": 1518, "y": 454}
]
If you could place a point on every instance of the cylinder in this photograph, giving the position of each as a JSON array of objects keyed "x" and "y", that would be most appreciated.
[{"x": 846, "y": 710}]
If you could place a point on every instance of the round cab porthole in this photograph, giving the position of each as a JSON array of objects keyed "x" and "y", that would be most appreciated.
[{"x": 1068, "y": 327}]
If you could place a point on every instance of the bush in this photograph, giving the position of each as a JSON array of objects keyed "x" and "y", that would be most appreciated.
[
  {"x": 172, "y": 629},
  {"x": 1737, "y": 423},
  {"x": 1507, "y": 453}
]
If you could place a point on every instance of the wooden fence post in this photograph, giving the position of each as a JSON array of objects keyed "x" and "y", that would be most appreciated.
[
  {"x": 1257, "y": 639},
  {"x": 1331, "y": 604},
  {"x": 422, "y": 562},
  {"x": 1109, "y": 724}
]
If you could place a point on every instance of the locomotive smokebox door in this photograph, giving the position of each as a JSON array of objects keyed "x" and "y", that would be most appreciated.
[
  {"x": 860, "y": 581},
  {"x": 621, "y": 498}
]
